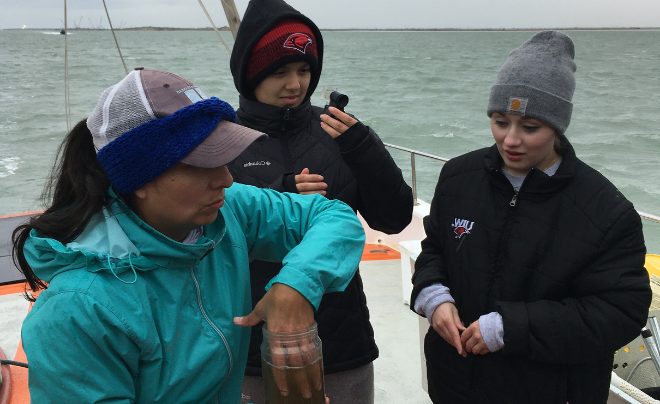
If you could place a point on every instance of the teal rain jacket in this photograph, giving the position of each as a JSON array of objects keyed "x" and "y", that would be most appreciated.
[{"x": 132, "y": 316}]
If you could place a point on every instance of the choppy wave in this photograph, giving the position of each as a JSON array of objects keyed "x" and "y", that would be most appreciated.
[{"x": 8, "y": 166}]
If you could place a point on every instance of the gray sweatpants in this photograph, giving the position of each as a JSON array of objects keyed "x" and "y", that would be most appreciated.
[{"x": 354, "y": 386}]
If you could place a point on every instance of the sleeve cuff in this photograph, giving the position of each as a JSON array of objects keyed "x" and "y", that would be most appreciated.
[
  {"x": 302, "y": 282},
  {"x": 492, "y": 330},
  {"x": 289, "y": 182},
  {"x": 352, "y": 137},
  {"x": 430, "y": 298}
]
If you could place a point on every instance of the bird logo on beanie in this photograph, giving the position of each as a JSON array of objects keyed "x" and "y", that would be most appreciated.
[{"x": 298, "y": 42}]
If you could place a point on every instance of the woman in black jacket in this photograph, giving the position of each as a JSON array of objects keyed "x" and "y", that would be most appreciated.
[
  {"x": 276, "y": 63},
  {"x": 532, "y": 272}
]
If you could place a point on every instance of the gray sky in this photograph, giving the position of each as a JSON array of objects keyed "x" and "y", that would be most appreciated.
[{"x": 344, "y": 13}]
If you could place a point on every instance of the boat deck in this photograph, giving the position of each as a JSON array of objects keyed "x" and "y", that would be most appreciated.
[
  {"x": 14, "y": 308},
  {"x": 398, "y": 372}
]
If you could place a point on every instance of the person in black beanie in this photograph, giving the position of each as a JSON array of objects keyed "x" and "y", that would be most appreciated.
[
  {"x": 532, "y": 271},
  {"x": 276, "y": 63}
]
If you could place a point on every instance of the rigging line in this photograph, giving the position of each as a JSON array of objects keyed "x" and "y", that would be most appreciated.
[
  {"x": 67, "y": 101},
  {"x": 214, "y": 27},
  {"x": 114, "y": 36}
]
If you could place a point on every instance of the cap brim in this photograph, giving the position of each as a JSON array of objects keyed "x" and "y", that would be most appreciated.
[{"x": 226, "y": 142}]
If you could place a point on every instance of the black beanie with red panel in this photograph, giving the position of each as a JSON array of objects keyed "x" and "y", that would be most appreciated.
[{"x": 288, "y": 41}]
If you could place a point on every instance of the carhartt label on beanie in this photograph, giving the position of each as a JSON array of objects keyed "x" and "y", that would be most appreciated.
[
  {"x": 517, "y": 105},
  {"x": 538, "y": 80},
  {"x": 289, "y": 41}
]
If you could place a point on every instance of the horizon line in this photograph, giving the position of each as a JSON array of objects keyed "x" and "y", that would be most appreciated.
[{"x": 347, "y": 29}]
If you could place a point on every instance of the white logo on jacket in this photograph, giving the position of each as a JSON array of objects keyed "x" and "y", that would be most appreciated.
[
  {"x": 462, "y": 226},
  {"x": 256, "y": 163}
]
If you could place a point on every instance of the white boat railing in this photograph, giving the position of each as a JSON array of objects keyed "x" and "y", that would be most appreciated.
[
  {"x": 413, "y": 153},
  {"x": 412, "y": 164}
]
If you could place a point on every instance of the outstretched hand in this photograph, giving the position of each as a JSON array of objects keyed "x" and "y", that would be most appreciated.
[{"x": 337, "y": 125}]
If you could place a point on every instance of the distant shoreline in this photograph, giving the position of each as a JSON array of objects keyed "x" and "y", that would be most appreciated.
[{"x": 355, "y": 29}]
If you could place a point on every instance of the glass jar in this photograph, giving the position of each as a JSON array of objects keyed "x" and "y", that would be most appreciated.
[{"x": 292, "y": 365}]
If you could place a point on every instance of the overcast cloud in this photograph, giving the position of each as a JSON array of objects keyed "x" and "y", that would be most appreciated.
[{"x": 365, "y": 14}]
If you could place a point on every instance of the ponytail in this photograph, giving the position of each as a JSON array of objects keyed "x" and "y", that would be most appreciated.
[{"x": 75, "y": 191}]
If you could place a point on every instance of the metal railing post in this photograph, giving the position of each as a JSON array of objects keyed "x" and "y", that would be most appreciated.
[
  {"x": 651, "y": 342},
  {"x": 414, "y": 179}
]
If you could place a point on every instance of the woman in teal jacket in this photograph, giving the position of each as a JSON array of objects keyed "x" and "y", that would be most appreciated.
[{"x": 145, "y": 250}]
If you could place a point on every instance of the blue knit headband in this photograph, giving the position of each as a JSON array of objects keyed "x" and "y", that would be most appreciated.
[{"x": 145, "y": 152}]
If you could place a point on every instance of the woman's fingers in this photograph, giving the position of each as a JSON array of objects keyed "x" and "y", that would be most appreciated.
[
  {"x": 306, "y": 188},
  {"x": 457, "y": 320},
  {"x": 473, "y": 340},
  {"x": 330, "y": 130},
  {"x": 297, "y": 371},
  {"x": 337, "y": 125},
  {"x": 307, "y": 183},
  {"x": 443, "y": 321},
  {"x": 480, "y": 349},
  {"x": 305, "y": 176},
  {"x": 278, "y": 355},
  {"x": 314, "y": 365},
  {"x": 342, "y": 116}
]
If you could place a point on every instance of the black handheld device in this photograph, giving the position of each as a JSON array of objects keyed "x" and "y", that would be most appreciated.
[
  {"x": 334, "y": 98},
  {"x": 338, "y": 100}
]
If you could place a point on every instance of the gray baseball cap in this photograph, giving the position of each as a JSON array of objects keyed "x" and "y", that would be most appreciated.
[{"x": 145, "y": 95}]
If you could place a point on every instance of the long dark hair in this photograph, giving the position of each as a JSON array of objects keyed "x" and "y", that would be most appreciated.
[{"x": 75, "y": 191}]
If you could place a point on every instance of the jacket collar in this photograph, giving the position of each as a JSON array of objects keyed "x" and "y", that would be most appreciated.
[
  {"x": 116, "y": 241},
  {"x": 273, "y": 120},
  {"x": 537, "y": 183},
  {"x": 157, "y": 247}
]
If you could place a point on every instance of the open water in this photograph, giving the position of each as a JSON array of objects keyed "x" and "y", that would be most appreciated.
[{"x": 426, "y": 91}]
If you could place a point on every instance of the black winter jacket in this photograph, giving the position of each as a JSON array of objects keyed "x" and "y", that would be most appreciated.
[
  {"x": 357, "y": 169},
  {"x": 562, "y": 262}
]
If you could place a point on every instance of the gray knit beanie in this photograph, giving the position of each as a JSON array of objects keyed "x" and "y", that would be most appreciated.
[{"x": 537, "y": 81}]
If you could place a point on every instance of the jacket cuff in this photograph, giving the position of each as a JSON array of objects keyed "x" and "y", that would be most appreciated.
[
  {"x": 430, "y": 298},
  {"x": 515, "y": 322},
  {"x": 285, "y": 183},
  {"x": 352, "y": 138},
  {"x": 289, "y": 182},
  {"x": 310, "y": 288}
]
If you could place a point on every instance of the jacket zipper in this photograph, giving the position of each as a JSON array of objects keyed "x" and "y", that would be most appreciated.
[
  {"x": 514, "y": 199},
  {"x": 503, "y": 243},
  {"x": 285, "y": 143},
  {"x": 285, "y": 121},
  {"x": 217, "y": 330}
]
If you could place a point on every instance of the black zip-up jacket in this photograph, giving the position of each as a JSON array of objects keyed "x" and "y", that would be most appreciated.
[
  {"x": 357, "y": 168},
  {"x": 562, "y": 261}
]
